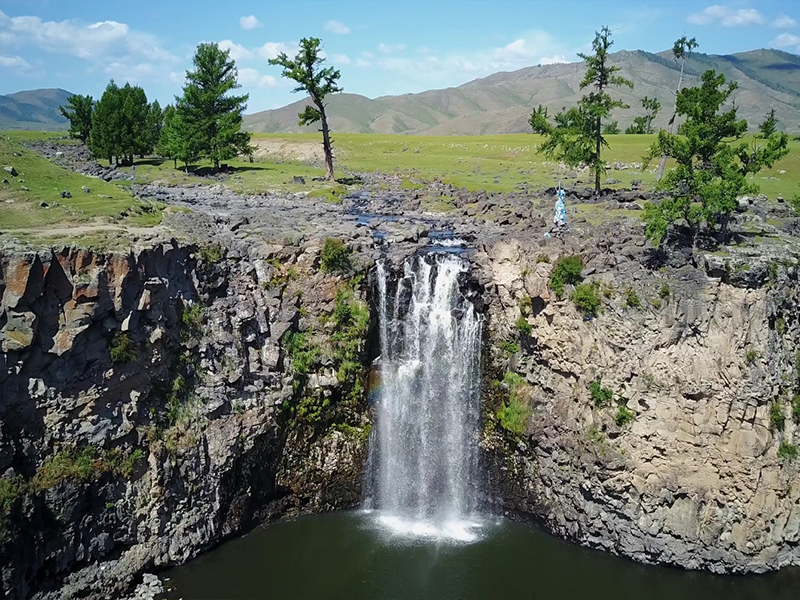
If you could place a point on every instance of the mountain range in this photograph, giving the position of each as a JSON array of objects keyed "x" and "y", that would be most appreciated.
[
  {"x": 502, "y": 103},
  {"x": 33, "y": 109}
]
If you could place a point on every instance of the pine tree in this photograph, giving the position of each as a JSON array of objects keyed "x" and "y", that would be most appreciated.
[
  {"x": 79, "y": 112},
  {"x": 769, "y": 126},
  {"x": 210, "y": 119},
  {"x": 711, "y": 170},
  {"x": 577, "y": 137},
  {"x": 681, "y": 52},
  {"x": 155, "y": 123},
  {"x": 104, "y": 140},
  {"x": 318, "y": 83},
  {"x": 180, "y": 140},
  {"x": 644, "y": 124},
  {"x": 135, "y": 137}
]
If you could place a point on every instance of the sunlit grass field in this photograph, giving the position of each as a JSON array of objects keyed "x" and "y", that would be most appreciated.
[{"x": 499, "y": 163}]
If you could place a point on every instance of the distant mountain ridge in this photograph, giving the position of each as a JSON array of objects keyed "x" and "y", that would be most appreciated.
[
  {"x": 34, "y": 109},
  {"x": 502, "y": 102}
]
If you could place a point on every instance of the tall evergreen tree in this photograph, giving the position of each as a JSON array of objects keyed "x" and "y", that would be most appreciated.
[
  {"x": 711, "y": 169},
  {"x": 78, "y": 111},
  {"x": 155, "y": 123},
  {"x": 135, "y": 136},
  {"x": 577, "y": 137},
  {"x": 180, "y": 140},
  {"x": 104, "y": 140},
  {"x": 644, "y": 124},
  {"x": 769, "y": 126},
  {"x": 681, "y": 52},
  {"x": 213, "y": 118},
  {"x": 306, "y": 69}
]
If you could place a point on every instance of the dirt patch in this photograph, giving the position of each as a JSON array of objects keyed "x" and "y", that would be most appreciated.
[{"x": 282, "y": 149}]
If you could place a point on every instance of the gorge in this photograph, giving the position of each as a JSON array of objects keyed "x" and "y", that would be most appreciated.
[{"x": 160, "y": 400}]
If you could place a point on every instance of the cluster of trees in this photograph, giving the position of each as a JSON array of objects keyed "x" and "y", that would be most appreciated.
[
  {"x": 713, "y": 161},
  {"x": 206, "y": 120}
]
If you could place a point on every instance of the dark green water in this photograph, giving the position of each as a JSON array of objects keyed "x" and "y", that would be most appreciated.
[{"x": 348, "y": 556}]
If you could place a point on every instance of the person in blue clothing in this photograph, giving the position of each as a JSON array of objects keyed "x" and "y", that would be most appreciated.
[{"x": 560, "y": 217}]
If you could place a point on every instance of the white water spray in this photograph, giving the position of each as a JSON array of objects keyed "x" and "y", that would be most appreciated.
[{"x": 424, "y": 455}]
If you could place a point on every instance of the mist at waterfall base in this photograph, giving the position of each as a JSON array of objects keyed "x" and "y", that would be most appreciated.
[{"x": 421, "y": 533}]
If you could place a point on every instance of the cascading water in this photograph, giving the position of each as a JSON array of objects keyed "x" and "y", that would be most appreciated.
[{"x": 424, "y": 454}]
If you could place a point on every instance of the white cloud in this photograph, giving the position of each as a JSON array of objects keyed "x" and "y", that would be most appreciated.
[
  {"x": 389, "y": 48},
  {"x": 272, "y": 49},
  {"x": 786, "y": 40},
  {"x": 363, "y": 63},
  {"x": 251, "y": 77},
  {"x": 249, "y": 22},
  {"x": 103, "y": 42},
  {"x": 783, "y": 21},
  {"x": 726, "y": 16},
  {"x": 341, "y": 59},
  {"x": 336, "y": 27},
  {"x": 367, "y": 55},
  {"x": 13, "y": 62},
  {"x": 237, "y": 51},
  {"x": 553, "y": 60}
]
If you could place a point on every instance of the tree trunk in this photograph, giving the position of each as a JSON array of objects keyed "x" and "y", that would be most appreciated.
[
  {"x": 326, "y": 143},
  {"x": 216, "y": 164},
  {"x": 663, "y": 164},
  {"x": 598, "y": 136},
  {"x": 175, "y": 163}
]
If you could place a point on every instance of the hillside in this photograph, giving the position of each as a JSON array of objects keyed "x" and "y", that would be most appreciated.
[
  {"x": 501, "y": 103},
  {"x": 33, "y": 109}
]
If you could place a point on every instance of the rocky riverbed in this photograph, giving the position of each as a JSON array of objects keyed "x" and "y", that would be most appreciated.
[{"x": 216, "y": 383}]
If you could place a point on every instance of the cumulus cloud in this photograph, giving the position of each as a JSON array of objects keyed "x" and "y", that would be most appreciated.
[
  {"x": 272, "y": 49},
  {"x": 726, "y": 16},
  {"x": 13, "y": 62},
  {"x": 237, "y": 51},
  {"x": 336, "y": 27},
  {"x": 786, "y": 40},
  {"x": 252, "y": 78},
  {"x": 390, "y": 48},
  {"x": 341, "y": 59},
  {"x": 249, "y": 22},
  {"x": 784, "y": 22},
  {"x": 363, "y": 63}
]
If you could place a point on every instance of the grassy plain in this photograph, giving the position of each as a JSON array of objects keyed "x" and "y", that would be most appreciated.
[{"x": 492, "y": 163}]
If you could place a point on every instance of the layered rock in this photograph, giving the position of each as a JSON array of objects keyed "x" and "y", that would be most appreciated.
[{"x": 708, "y": 364}]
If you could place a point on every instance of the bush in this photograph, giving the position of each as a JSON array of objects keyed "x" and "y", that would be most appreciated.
[
  {"x": 796, "y": 408},
  {"x": 192, "y": 316},
  {"x": 567, "y": 270},
  {"x": 586, "y": 299},
  {"x": 780, "y": 325},
  {"x": 509, "y": 347},
  {"x": 664, "y": 292},
  {"x": 624, "y": 416},
  {"x": 301, "y": 351},
  {"x": 752, "y": 356},
  {"x": 523, "y": 327},
  {"x": 601, "y": 396},
  {"x": 632, "y": 299},
  {"x": 542, "y": 258},
  {"x": 211, "y": 254},
  {"x": 777, "y": 418},
  {"x": 515, "y": 411},
  {"x": 335, "y": 257},
  {"x": 122, "y": 349},
  {"x": 787, "y": 451},
  {"x": 69, "y": 464}
]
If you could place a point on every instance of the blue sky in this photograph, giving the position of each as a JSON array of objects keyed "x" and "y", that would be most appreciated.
[{"x": 381, "y": 46}]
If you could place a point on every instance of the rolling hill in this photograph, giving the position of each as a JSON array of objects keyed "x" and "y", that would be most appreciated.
[
  {"x": 33, "y": 109},
  {"x": 501, "y": 103}
]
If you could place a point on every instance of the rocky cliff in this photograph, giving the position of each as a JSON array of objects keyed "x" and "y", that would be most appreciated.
[
  {"x": 154, "y": 403},
  {"x": 664, "y": 428}
]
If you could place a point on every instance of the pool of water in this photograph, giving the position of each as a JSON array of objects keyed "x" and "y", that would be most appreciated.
[{"x": 369, "y": 556}]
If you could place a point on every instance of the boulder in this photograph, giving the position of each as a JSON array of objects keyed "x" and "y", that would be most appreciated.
[
  {"x": 11, "y": 171},
  {"x": 299, "y": 179},
  {"x": 66, "y": 194},
  {"x": 19, "y": 331},
  {"x": 86, "y": 189}
]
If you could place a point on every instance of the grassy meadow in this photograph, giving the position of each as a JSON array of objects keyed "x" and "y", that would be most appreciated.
[{"x": 493, "y": 163}]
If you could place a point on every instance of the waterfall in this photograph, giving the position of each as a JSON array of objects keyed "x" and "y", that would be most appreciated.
[{"x": 424, "y": 454}]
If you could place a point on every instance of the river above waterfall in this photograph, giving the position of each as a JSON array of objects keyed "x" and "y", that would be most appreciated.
[{"x": 353, "y": 555}]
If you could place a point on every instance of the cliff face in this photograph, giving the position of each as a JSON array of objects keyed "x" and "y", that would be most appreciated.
[
  {"x": 697, "y": 469},
  {"x": 151, "y": 405}
]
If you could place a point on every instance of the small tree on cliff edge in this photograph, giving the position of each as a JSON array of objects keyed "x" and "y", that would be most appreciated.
[
  {"x": 317, "y": 82},
  {"x": 577, "y": 137}
]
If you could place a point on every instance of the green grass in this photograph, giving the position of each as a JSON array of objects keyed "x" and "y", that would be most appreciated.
[{"x": 21, "y": 209}]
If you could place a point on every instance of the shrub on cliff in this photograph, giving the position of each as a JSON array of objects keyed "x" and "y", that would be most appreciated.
[
  {"x": 335, "y": 257},
  {"x": 601, "y": 396},
  {"x": 777, "y": 418},
  {"x": 122, "y": 349},
  {"x": 586, "y": 299},
  {"x": 515, "y": 411},
  {"x": 567, "y": 270}
]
